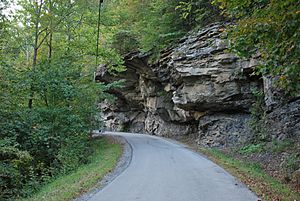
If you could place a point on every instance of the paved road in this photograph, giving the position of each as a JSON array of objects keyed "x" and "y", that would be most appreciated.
[{"x": 162, "y": 170}]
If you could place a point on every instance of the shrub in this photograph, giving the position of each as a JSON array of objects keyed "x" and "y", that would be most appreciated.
[
  {"x": 14, "y": 170},
  {"x": 125, "y": 42},
  {"x": 258, "y": 115},
  {"x": 252, "y": 148}
]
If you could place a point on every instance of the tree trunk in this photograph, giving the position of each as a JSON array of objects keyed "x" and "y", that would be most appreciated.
[
  {"x": 35, "y": 49},
  {"x": 34, "y": 61}
]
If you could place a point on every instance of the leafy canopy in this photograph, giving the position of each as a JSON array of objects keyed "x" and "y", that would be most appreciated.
[
  {"x": 272, "y": 29},
  {"x": 48, "y": 98}
]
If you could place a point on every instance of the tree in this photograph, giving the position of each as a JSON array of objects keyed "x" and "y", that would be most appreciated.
[
  {"x": 199, "y": 12},
  {"x": 47, "y": 95},
  {"x": 271, "y": 29},
  {"x": 153, "y": 24}
]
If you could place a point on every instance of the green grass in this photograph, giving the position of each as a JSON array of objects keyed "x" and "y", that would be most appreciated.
[
  {"x": 253, "y": 176},
  {"x": 276, "y": 146},
  {"x": 70, "y": 186}
]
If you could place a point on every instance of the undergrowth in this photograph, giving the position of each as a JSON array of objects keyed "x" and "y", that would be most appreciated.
[
  {"x": 103, "y": 160},
  {"x": 253, "y": 176}
]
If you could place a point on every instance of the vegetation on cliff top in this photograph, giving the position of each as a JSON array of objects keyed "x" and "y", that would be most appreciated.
[
  {"x": 270, "y": 29},
  {"x": 156, "y": 24},
  {"x": 261, "y": 28}
]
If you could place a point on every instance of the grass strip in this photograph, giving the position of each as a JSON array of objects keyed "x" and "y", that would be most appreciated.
[
  {"x": 269, "y": 188},
  {"x": 70, "y": 186}
]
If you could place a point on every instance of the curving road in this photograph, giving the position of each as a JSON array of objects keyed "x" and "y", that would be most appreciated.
[{"x": 163, "y": 170}]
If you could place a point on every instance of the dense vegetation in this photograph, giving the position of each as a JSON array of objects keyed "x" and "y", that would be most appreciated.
[
  {"x": 105, "y": 156},
  {"x": 270, "y": 29},
  {"x": 155, "y": 24},
  {"x": 48, "y": 56},
  {"x": 47, "y": 96}
]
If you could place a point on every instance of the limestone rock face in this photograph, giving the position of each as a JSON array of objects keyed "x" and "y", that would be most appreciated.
[
  {"x": 212, "y": 79},
  {"x": 196, "y": 87},
  {"x": 155, "y": 125}
]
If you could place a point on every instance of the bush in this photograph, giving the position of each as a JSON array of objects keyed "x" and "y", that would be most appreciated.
[
  {"x": 50, "y": 139},
  {"x": 252, "y": 148},
  {"x": 125, "y": 42},
  {"x": 74, "y": 151},
  {"x": 14, "y": 170},
  {"x": 37, "y": 146},
  {"x": 282, "y": 145},
  {"x": 291, "y": 164},
  {"x": 258, "y": 115}
]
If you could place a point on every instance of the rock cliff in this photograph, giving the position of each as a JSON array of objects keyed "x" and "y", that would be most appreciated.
[{"x": 196, "y": 88}]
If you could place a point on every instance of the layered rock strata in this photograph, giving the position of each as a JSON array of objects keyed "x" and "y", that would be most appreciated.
[{"x": 197, "y": 88}]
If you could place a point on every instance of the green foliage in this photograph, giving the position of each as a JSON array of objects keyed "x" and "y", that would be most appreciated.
[
  {"x": 291, "y": 164},
  {"x": 124, "y": 42},
  {"x": 258, "y": 115},
  {"x": 252, "y": 148},
  {"x": 253, "y": 175},
  {"x": 199, "y": 12},
  {"x": 14, "y": 163},
  {"x": 53, "y": 134},
  {"x": 162, "y": 93},
  {"x": 154, "y": 24},
  {"x": 282, "y": 145},
  {"x": 103, "y": 158},
  {"x": 274, "y": 146},
  {"x": 185, "y": 8},
  {"x": 48, "y": 98},
  {"x": 270, "y": 28}
]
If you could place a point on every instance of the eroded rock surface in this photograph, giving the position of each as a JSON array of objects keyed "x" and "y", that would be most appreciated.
[
  {"x": 212, "y": 79},
  {"x": 284, "y": 122},
  {"x": 195, "y": 88}
]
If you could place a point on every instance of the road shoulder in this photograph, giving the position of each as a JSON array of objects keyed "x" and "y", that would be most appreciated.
[{"x": 123, "y": 163}]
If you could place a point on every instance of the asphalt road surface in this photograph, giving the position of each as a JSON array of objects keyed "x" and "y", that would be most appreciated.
[{"x": 163, "y": 170}]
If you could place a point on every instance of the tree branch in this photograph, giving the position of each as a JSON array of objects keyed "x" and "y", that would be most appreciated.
[
  {"x": 44, "y": 38},
  {"x": 41, "y": 31}
]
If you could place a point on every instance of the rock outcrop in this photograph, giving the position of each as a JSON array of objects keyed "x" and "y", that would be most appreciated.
[
  {"x": 197, "y": 88},
  {"x": 284, "y": 121}
]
